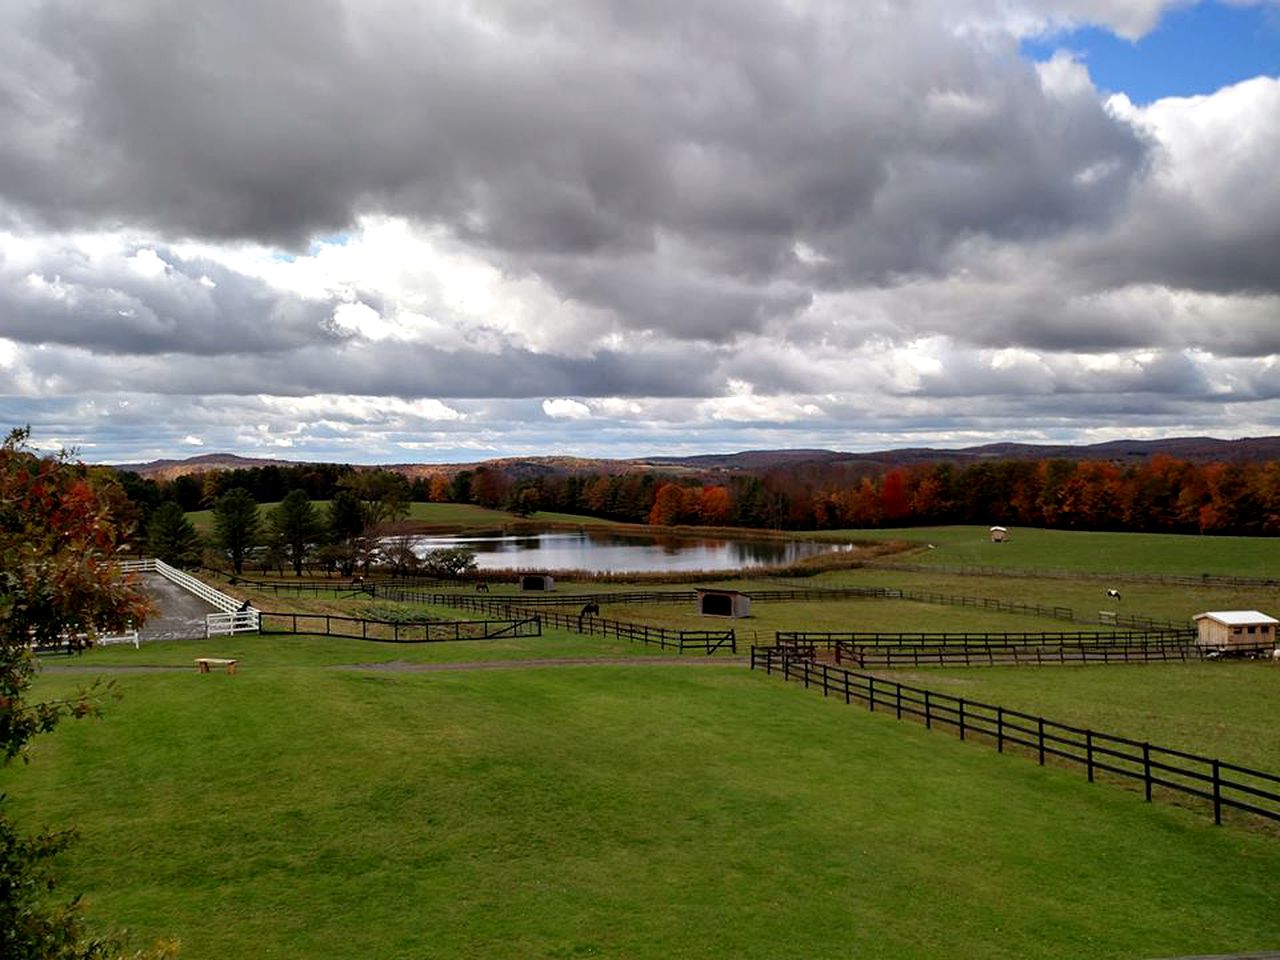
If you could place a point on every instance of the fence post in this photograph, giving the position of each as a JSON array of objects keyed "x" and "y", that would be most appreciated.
[
  {"x": 1000, "y": 729},
  {"x": 928, "y": 712},
  {"x": 898, "y": 689},
  {"x": 1217, "y": 793},
  {"x": 1040, "y": 737},
  {"x": 845, "y": 674},
  {"x": 1146, "y": 769},
  {"x": 824, "y": 679},
  {"x": 871, "y": 693},
  {"x": 1088, "y": 752}
]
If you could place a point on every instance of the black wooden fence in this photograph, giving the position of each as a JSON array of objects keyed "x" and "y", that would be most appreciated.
[
  {"x": 287, "y": 587},
  {"x": 390, "y": 631},
  {"x": 706, "y": 641},
  {"x": 882, "y": 649},
  {"x": 1172, "y": 772}
]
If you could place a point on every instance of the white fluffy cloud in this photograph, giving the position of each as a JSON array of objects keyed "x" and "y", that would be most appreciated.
[{"x": 438, "y": 231}]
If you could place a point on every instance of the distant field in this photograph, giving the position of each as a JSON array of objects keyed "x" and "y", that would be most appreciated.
[
  {"x": 629, "y": 811},
  {"x": 1085, "y": 596},
  {"x": 1099, "y": 553}
]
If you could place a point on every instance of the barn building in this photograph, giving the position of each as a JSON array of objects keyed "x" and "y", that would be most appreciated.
[
  {"x": 537, "y": 581},
  {"x": 1235, "y": 630},
  {"x": 723, "y": 603}
]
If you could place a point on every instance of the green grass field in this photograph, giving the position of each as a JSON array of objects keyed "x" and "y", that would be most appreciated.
[
  {"x": 1087, "y": 552},
  {"x": 339, "y": 798},
  {"x": 660, "y": 811}
]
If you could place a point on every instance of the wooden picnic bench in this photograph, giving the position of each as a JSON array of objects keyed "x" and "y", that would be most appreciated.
[{"x": 204, "y": 663}]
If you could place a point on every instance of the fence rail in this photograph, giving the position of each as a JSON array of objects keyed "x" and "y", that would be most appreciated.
[
  {"x": 79, "y": 642},
  {"x": 391, "y": 631},
  {"x": 884, "y": 638},
  {"x": 1173, "y": 772},
  {"x": 889, "y": 650}
]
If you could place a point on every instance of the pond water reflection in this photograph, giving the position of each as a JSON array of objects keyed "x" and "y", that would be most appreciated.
[{"x": 622, "y": 553}]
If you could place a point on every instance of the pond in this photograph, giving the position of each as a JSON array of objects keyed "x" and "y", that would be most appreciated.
[{"x": 622, "y": 553}]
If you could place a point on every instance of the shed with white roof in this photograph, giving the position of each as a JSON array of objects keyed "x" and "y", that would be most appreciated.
[{"x": 1232, "y": 630}]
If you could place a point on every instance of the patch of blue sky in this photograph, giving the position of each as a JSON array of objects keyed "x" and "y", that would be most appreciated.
[
  {"x": 329, "y": 240},
  {"x": 1194, "y": 50}
]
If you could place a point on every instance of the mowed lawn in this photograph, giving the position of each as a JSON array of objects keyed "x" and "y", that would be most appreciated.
[
  {"x": 1087, "y": 552},
  {"x": 611, "y": 811}
]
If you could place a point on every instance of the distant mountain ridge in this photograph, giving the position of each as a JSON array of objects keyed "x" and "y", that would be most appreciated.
[{"x": 1194, "y": 449}]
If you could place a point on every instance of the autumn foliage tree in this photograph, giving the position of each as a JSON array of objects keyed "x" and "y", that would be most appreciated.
[{"x": 59, "y": 583}]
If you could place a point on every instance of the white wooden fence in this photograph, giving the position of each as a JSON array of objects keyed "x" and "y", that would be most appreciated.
[
  {"x": 235, "y": 617},
  {"x": 129, "y": 637}
]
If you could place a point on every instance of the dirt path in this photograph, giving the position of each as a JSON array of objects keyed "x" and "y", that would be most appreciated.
[
  {"x": 180, "y": 613},
  {"x": 403, "y": 666}
]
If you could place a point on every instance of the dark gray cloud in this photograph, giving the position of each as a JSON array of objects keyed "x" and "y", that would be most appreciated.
[
  {"x": 142, "y": 301},
  {"x": 390, "y": 369},
  {"x": 562, "y": 137}
]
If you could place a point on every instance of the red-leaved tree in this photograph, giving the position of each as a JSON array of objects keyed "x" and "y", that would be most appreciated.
[{"x": 59, "y": 583}]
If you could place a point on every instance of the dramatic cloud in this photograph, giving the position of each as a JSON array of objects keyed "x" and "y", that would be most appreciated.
[{"x": 405, "y": 230}]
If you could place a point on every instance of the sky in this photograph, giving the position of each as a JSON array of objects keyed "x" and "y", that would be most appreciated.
[{"x": 403, "y": 231}]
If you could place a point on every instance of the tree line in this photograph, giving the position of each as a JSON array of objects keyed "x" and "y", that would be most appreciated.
[
  {"x": 1163, "y": 494},
  {"x": 354, "y": 530}
]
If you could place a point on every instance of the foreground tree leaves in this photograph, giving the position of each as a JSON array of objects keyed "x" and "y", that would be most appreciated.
[{"x": 60, "y": 583}]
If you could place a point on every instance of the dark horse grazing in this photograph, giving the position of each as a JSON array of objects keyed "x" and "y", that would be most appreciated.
[
  {"x": 482, "y": 587},
  {"x": 589, "y": 610}
]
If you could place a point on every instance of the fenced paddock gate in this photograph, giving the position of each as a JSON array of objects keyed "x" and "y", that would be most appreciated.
[
  {"x": 390, "y": 631},
  {"x": 1158, "y": 770},
  {"x": 705, "y": 641}
]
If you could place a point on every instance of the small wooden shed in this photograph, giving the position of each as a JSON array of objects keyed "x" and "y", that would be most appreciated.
[
  {"x": 999, "y": 534},
  {"x": 1235, "y": 630},
  {"x": 537, "y": 581},
  {"x": 723, "y": 603}
]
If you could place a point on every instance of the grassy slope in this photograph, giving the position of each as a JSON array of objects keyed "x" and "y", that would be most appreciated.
[{"x": 637, "y": 812}]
